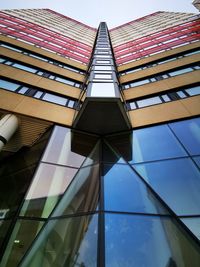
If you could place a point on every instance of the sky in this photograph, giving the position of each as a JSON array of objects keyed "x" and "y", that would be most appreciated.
[{"x": 114, "y": 12}]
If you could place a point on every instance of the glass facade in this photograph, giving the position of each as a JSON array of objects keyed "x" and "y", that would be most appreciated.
[{"x": 115, "y": 202}]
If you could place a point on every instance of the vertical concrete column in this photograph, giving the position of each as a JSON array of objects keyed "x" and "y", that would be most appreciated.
[{"x": 8, "y": 126}]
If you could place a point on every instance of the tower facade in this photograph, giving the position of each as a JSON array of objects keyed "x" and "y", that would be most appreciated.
[{"x": 100, "y": 140}]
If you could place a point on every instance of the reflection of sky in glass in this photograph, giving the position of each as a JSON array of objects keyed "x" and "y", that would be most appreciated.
[
  {"x": 124, "y": 191},
  {"x": 134, "y": 241},
  {"x": 188, "y": 132},
  {"x": 176, "y": 181},
  {"x": 87, "y": 253},
  {"x": 154, "y": 143}
]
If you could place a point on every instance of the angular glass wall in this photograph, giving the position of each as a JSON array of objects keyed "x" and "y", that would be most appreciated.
[
  {"x": 16, "y": 173},
  {"x": 65, "y": 153},
  {"x": 116, "y": 204}
]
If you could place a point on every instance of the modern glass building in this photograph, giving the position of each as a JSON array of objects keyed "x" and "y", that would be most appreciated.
[{"x": 100, "y": 141}]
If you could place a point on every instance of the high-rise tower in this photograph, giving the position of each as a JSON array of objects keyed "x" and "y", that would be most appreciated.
[{"x": 100, "y": 140}]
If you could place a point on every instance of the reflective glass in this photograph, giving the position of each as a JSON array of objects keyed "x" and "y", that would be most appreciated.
[
  {"x": 141, "y": 241},
  {"x": 154, "y": 143},
  {"x": 124, "y": 191},
  {"x": 149, "y": 101},
  {"x": 188, "y": 132},
  {"x": 66, "y": 243},
  {"x": 176, "y": 181},
  {"x": 67, "y": 147},
  {"x": 193, "y": 224},
  {"x": 21, "y": 238},
  {"x": 47, "y": 187},
  {"x": 55, "y": 99},
  {"x": 139, "y": 83},
  {"x": 103, "y": 90},
  {"x": 193, "y": 91},
  {"x": 23, "y": 67},
  {"x": 23, "y": 90},
  {"x": 166, "y": 98},
  {"x": 4, "y": 225},
  {"x": 82, "y": 194},
  {"x": 8, "y": 85},
  {"x": 197, "y": 160},
  {"x": 181, "y": 94},
  {"x": 178, "y": 72},
  {"x": 62, "y": 80}
]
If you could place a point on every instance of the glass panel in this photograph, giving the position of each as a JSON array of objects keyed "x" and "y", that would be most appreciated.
[
  {"x": 62, "y": 80},
  {"x": 67, "y": 147},
  {"x": 22, "y": 67},
  {"x": 4, "y": 225},
  {"x": 9, "y": 85},
  {"x": 109, "y": 155},
  {"x": 103, "y": 68},
  {"x": 23, "y": 90},
  {"x": 83, "y": 193},
  {"x": 55, "y": 99},
  {"x": 132, "y": 105},
  {"x": 71, "y": 104},
  {"x": 125, "y": 192},
  {"x": 193, "y": 224},
  {"x": 38, "y": 94},
  {"x": 139, "y": 238},
  {"x": 20, "y": 240},
  {"x": 103, "y": 90},
  {"x": 103, "y": 76},
  {"x": 166, "y": 98},
  {"x": 193, "y": 91},
  {"x": 197, "y": 160},
  {"x": 149, "y": 101},
  {"x": 66, "y": 242},
  {"x": 181, "y": 94},
  {"x": 154, "y": 143},
  {"x": 188, "y": 132},
  {"x": 178, "y": 72},
  {"x": 47, "y": 187},
  {"x": 139, "y": 83},
  {"x": 93, "y": 158},
  {"x": 177, "y": 182}
]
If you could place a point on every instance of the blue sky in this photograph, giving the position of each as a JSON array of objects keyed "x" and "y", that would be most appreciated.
[{"x": 114, "y": 12}]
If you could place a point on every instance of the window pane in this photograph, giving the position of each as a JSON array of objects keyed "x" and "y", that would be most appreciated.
[
  {"x": 21, "y": 238},
  {"x": 124, "y": 191},
  {"x": 188, "y": 132},
  {"x": 66, "y": 242},
  {"x": 47, "y": 187},
  {"x": 83, "y": 193},
  {"x": 181, "y": 94},
  {"x": 62, "y": 80},
  {"x": 55, "y": 99},
  {"x": 103, "y": 90},
  {"x": 8, "y": 85},
  {"x": 67, "y": 147},
  {"x": 166, "y": 98},
  {"x": 23, "y": 90},
  {"x": 149, "y": 102},
  {"x": 193, "y": 91},
  {"x": 139, "y": 83},
  {"x": 23, "y": 67},
  {"x": 134, "y": 241},
  {"x": 155, "y": 143},
  {"x": 197, "y": 160},
  {"x": 178, "y": 72},
  {"x": 4, "y": 225},
  {"x": 176, "y": 181},
  {"x": 193, "y": 224}
]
